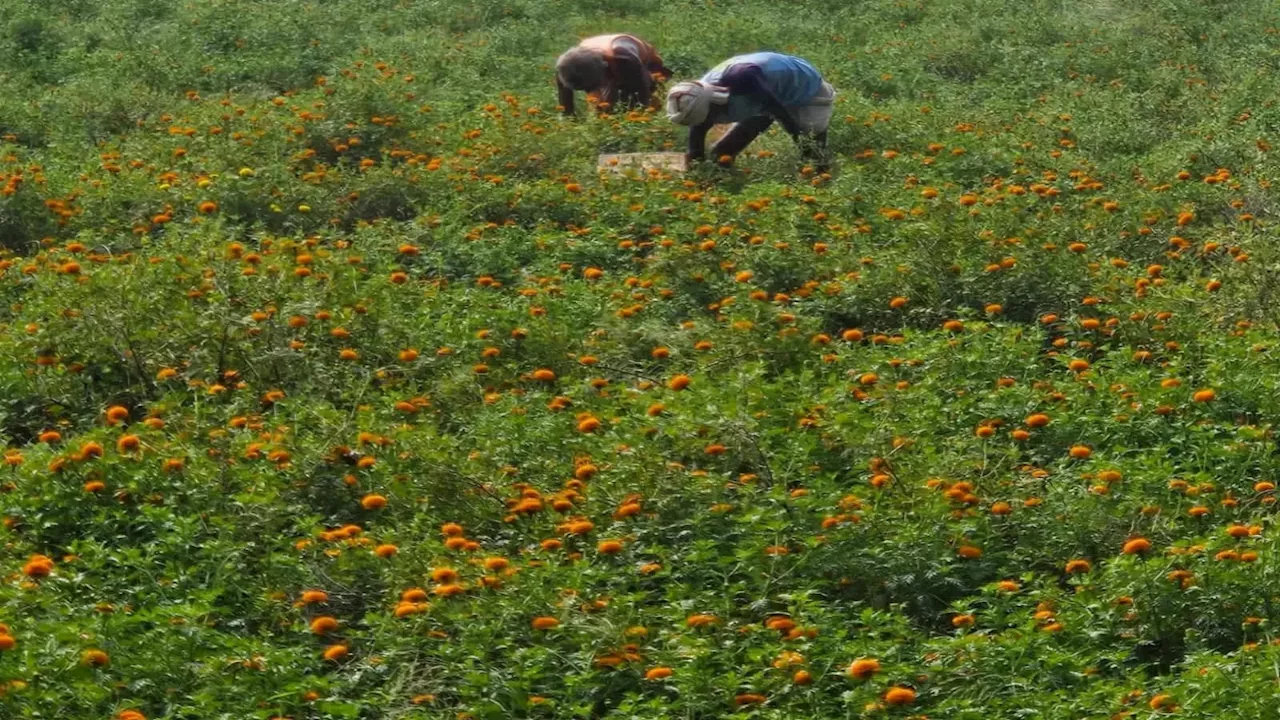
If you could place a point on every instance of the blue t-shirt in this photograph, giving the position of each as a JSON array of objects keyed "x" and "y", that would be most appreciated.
[{"x": 792, "y": 80}]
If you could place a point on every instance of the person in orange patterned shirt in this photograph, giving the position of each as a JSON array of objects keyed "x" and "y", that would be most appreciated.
[{"x": 617, "y": 69}]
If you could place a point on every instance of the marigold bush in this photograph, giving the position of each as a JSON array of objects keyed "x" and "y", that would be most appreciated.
[{"x": 338, "y": 378}]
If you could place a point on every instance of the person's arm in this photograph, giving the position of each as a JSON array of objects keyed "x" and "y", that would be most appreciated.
[
  {"x": 632, "y": 80},
  {"x": 698, "y": 141},
  {"x": 657, "y": 67},
  {"x": 749, "y": 80},
  {"x": 740, "y": 136},
  {"x": 565, "y": 94}
]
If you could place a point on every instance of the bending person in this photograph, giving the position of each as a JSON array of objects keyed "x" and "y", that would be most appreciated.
[
  {"x": 752, "y": 91},
  {"x": 617, "y": 68}
]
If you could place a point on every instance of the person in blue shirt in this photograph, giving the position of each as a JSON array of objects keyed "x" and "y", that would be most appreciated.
[{"x": 752, "y": 92}]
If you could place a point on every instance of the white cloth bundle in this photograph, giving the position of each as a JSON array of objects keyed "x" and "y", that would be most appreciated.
[{"x": 689, "y": 103}]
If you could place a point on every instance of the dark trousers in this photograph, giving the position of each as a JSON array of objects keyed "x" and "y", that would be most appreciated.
[{"x": 812, "y": 146}]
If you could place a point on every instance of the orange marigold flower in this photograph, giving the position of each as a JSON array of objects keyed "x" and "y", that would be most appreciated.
[
  {"x": 414, "y": 595},
  {"x": 443, "y": 574},
  {"x": 95, "y": 658},
  {"x": 335, "y": 653},
  {"x": 1078, "y": 566},
  {"x": 658, "y": 673},
  {"x": 899, "y": 696},
  {"x": 1136, "y": 546},
  {"x": 38, "y": 566},
  {"x": 1110, "y": 476},
  {"x": 448, "y": 590},
  {"x": 405, "y": 609},
  {"x": 545, "y": 623},
  {"x": 780, "y": 623},
  {"x": 864, "y": 668},
  {"x": 323, "y": 625}
]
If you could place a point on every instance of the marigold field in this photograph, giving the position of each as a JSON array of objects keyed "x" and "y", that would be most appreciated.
[{"x": 338, "y": 382}]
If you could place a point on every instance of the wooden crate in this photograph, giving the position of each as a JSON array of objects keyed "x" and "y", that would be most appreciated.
[{"x": 673, "y": 162}]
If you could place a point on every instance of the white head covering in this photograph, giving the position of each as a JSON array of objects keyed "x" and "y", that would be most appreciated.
[{"x": 689, "y": 103}]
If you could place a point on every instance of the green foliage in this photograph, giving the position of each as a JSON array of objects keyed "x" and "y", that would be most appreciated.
[{"x": 305, "y": 296}]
